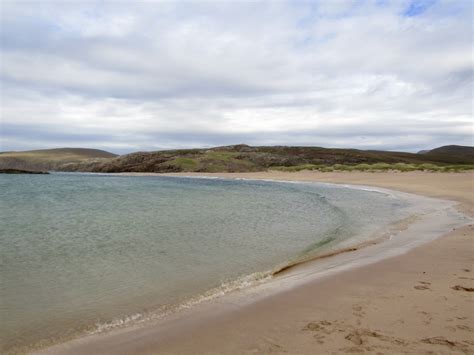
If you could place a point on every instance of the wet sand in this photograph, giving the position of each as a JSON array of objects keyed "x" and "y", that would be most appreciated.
[{"x": 418, "y": 302}]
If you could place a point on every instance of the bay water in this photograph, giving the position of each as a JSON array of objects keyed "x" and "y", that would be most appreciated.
[{"x": 84, "y": 252}]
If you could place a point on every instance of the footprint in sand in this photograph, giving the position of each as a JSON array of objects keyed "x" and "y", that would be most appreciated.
[
  {"x": 358, "y": 310},
  {"x": 462, "y": 288},
  {"x": 321, "y": 329},
  {"x": 424, "y": 285},
  {"x": 355, "y": 337},
  {"x": 271, "y": 345},
  {"x": 361, "y": 336},
  {"x": 453, "y": 345},
  {"x": 465, "y": 327},
  {"x": 316, "y": 326},
  {"x": 319, "y": 338},
  {"x": 428, "y": 317}
]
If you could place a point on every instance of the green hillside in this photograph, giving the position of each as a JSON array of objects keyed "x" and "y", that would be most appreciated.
[
  {"x": 244, "y": 158},
  {"x": 51, "y": 159},
  {"x": 240, "y": 158},
  {"x": 454, "y": 153}
]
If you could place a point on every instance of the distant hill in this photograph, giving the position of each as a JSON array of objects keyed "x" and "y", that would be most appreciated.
[
  {"x": 234, "y": 158},
  {"x": 51, "y": 159},
  {"x": 243, "y": 158},
  {"x": 455, "y": 153}
]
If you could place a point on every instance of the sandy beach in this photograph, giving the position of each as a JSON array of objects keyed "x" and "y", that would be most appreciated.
[{"x": 419, "y": 302}]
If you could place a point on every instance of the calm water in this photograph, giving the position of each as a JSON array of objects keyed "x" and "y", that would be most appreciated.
[{"x": 78, "y": 251}]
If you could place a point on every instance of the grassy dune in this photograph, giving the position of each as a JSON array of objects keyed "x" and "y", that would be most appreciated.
[{"x": 402, "y": 167}]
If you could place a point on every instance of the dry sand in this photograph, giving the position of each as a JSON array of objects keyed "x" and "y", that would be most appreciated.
[{"x": 419, "y": 302}]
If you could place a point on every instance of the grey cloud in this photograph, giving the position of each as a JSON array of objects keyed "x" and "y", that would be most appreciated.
[
  {"x": 348, "y": 73},
  {"x": 411, "y": 137}
]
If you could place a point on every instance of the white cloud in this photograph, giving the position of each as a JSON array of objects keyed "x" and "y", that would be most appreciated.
[{"x": 151, "y": 74}]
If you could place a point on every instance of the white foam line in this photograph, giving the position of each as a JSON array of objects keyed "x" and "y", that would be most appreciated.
[{"x": 226, "y": 287}]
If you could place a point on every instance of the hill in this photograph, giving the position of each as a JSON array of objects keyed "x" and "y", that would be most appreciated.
[
  {"x": 242, "y": 158},
  {"x": 237, "y": 158},
  {"x": 51, "y": 159},
  {"x": 456, "y": 153}
]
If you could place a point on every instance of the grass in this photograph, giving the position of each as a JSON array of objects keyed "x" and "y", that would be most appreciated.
[
  {"x": 220, "y": 161},
  {"x": 378, "y": 167},
  {"x": 187, "y": 164},
  {"x": 298, "y": 167},
  {"x": 218, "y": 155},
  {"x": 211, "y": 161}
]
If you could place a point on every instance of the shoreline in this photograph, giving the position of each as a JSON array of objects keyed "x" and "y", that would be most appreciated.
[{"x": 296, "y": 277}]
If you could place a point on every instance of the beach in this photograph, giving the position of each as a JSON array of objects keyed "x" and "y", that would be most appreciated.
[{"x": 420, "y": 301}]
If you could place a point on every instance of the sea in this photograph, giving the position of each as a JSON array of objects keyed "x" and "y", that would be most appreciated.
[{"x": 85, "y": 253}]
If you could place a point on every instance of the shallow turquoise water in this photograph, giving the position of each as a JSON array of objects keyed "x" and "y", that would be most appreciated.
[{"x": 81, "y": 250}]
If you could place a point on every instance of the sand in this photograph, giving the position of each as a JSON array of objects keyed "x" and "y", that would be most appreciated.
[{"x": 418, "y": 302}]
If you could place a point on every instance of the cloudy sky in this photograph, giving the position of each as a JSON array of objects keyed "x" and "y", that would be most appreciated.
[{"x": 127, "y": 75}]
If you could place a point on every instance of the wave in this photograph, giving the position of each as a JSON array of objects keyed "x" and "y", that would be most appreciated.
[
  {"x": 326, "y": 248},
  {"x": 387, "y": 234},
  {"x": 224, "y": 288}
]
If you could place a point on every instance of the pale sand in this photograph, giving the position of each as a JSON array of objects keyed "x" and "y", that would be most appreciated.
[{"x": 419, "y": 302}]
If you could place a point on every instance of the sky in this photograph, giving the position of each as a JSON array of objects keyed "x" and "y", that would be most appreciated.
[{"x": 145, "y": 75}]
